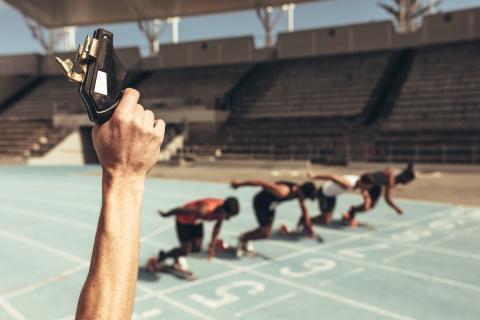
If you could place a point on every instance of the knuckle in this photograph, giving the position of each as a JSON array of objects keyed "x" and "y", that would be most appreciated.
[
  {"x": 161, "y": 124},
  {"x": 132, "y": 93},
  {"x": 149, "y": 113}
]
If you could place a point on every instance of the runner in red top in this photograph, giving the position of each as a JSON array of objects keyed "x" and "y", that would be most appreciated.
[{"x": 189, "y": 225}]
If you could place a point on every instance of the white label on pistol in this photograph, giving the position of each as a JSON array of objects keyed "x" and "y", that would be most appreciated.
[{"x": 101, "y": 83}]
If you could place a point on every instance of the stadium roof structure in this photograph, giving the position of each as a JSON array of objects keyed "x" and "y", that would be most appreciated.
[{"x": 61, "y": 13}]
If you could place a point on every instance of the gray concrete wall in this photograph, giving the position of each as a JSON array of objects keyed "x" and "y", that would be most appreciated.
[
  {"x": 180, "y": 115},
  {"x": 129, "y": 57},
  {"x": 20, "y": 64},
  {"x": 439, "y": 28},
  {"x": 450, "y": 27},
  {"x": 202, "y": 53}
]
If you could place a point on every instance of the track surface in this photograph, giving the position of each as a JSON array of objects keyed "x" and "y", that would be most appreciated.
[{"x": 423, "y": 265}]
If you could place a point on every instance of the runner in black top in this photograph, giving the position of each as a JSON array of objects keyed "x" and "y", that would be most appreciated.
[
  {"x": 387, "y": 179},
  {"x": 266, "y": 201}
]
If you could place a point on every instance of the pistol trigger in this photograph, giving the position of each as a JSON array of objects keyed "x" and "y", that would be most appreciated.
[{"x": 67, "y": 67}]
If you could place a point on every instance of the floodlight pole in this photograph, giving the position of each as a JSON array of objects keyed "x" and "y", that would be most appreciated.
[
  {"x": 174, "y": 21},
  {"x": 432, "y": 6},
  {"x": 50, "y": 38},
  {"x": 153, "y": 30},
  {"x": 268, "y": 23},
  {"x": 408, "y": 14}
]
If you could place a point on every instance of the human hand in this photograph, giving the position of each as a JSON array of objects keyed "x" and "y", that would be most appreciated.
[
  {"x": 234, "y": 184},
  {"x": 128, "y": 144}
]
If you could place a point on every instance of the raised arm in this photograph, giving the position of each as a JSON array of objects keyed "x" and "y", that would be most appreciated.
[
  {"x": 182, "y": 212},
  {"x": 127, "y": 146},
  {"x": 341, "y": 181},
  {"x": 278, "y": 190}
]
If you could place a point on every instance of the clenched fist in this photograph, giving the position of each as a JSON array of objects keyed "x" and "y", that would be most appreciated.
[{"x": 128, "y": 144}]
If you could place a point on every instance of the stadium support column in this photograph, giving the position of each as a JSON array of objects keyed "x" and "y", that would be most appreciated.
[
  {"x": 69, "y": 38},
  {"x": 432, "y": 6},
  {"x": 153, "y": 30},
  {"x": 174, "y": 21},
  {"x": 268, "y": 22},
  {"x": 290, "y": 9},
  {"x": 50, "y": 39}
]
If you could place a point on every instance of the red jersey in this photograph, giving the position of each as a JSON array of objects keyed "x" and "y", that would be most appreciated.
[{"x": 209, "y": 205}]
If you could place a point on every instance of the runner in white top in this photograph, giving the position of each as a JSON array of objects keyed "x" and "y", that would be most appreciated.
[
  {"x": 334, "y": 186},
  {"x": 333, "y": 189}
]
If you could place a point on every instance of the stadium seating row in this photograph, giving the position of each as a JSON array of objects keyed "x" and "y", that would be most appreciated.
[{"x": 308, "y": 107}]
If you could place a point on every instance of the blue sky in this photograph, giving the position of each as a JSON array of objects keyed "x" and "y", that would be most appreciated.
[{"x": 15, "y": 37}]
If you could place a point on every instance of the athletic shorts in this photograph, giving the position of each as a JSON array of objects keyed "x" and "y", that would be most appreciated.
[
  {"x": 264, "y": 209},
  {"x": 375, "y": 193},
  {"x": 325, "y": 203},
  {"x": 189, "y": 232}
]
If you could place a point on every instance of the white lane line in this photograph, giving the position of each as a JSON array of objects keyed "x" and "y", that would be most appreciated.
[
  {"x": 44, "y": 247},
  {"x": 398, "y": 256},
  {"x": 87, "y": 194},
  {"x": 444, "y": 251},
  {"x": 16, "y": 315},
  {"x": 334, "y": 297},
  {"x": 69, "y": 256},
  {"x": 346, "y": 275},
  {"x": 324, "y": 294},
  {"x": 214, "y": 277},
  {"x": 143, "y": 297},
  {"x": 151, "y": 313},
  {"x": 167, "y": 226},
  {"x": 235, "y": 269},
  {"x": 419, "y": 275},
  {"x": 472, "y": 230},
  {"x": 178, "y": 305},
  {"x": 43, "y": 282},
  {"x": 67, "y": 318},
  {"x": 402, "y": 271},
  {"x": 265, "y": 304},
  {"x": 385, "y": 239},
  {"x": 147, "y": 314},
  {"x": 442, "y": 240},
  {"x": 48, "y": 217}
]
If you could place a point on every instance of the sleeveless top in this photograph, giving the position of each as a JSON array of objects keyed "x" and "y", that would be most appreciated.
[
  {"x": 211, "y": 204},
  {"x": 379, "y": 178},
  {"x": 268, "y": 200}
]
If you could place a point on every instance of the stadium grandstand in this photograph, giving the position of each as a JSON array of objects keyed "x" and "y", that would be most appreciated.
[
  {"x": 304, "y": 115},
  {"x": 334, "y": 95}
]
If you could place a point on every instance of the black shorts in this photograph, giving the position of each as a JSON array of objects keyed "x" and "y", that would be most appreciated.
[
  {"x": 264, "y": 209},
  {"x": 375, "y": 193},
  {"x": 326, "y": 204},
  {"x": 189, "y": 232}
]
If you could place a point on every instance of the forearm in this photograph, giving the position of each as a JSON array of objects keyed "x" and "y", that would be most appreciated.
[
  {"x": 249, "y": 183},
  {"x": 392, "y": 205},
  {"x": 215, "y": 233},
  {"x": 360, "y": 208},
  {"x": 321, "y": 177},
  {"x": 116, "y": 248},
  {"x": 305, "y": 214}
]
